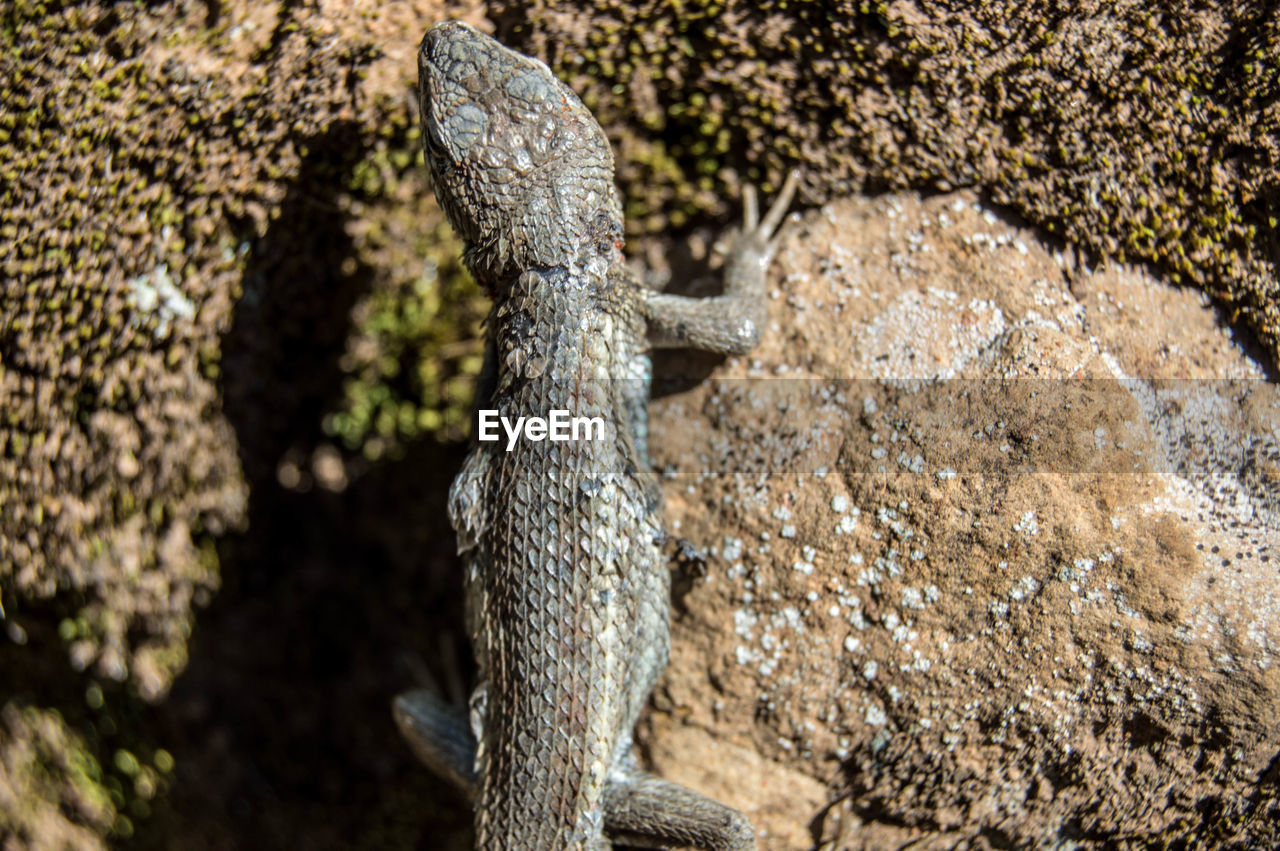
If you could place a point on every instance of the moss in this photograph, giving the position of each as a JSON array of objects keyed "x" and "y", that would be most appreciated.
[
  {"x": 415, "y": 349},
  {"x": 1082, "y": 120},
  {"x": 140, "y": 167},
  {"x": 53, "y": 791},
  {"x": 130, "y": 185}
]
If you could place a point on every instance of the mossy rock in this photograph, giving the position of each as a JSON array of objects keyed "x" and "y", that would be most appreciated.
[
  {"x": 1142, "y": 132},
  {"x": 209, "y": 255}
]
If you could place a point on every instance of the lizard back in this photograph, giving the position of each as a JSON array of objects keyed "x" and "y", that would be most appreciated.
[{"x": 559, "y": 576}]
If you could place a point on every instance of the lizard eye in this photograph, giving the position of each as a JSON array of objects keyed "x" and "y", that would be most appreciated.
[
  {"x": 435, "y": 151},
  {"x": 439, "y": 160}
]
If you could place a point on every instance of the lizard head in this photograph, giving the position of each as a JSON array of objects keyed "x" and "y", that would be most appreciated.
[{"x": 521, "y": 168}]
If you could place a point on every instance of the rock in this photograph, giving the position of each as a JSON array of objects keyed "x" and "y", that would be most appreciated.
[
  {"x": 236, "y": 346},
  {"x": 993, "y": 543}
]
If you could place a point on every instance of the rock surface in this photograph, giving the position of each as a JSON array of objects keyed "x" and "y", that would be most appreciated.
[{"x": 992, "y": 547}]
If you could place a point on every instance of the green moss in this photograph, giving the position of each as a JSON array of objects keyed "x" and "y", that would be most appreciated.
[
  {"x": 133, "y": 194},
  {"x": 53, "y": 791},
  {"x": 415, "y": 348}
]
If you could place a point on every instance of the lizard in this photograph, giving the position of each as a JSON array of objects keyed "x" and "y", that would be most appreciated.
[{"x": 567, "y": 591}]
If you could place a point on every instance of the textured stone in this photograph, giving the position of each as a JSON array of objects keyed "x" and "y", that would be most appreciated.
[{"x": 1022, "y": 582}]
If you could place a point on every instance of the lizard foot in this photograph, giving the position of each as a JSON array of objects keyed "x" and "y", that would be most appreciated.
[{"x": 731, "y": 323}]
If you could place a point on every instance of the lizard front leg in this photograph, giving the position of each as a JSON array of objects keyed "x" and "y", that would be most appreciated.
[{"x": 730, "y": 323}]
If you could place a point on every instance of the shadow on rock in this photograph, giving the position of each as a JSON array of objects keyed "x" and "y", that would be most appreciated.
[{"x": 334, "y": 595}]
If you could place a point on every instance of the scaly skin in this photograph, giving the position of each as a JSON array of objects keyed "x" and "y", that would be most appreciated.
[{"x": 567, "y": 591}]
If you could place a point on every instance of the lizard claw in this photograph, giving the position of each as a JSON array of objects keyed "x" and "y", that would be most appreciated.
[
  {"x": 750, "y": 208},
  {"x": 778, "y": 208},
  {"x": 751, "y": 223},
  {"x": 761, "y": 235}
]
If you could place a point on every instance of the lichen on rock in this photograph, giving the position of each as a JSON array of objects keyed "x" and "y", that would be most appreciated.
[{"x": 981, "y": 557}]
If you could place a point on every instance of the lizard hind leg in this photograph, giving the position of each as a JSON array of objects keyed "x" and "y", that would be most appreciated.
[
  {"x": 640, "y": 810},
  {"x": 643, "y": 811},
  {"x": 439, "y": 735}
]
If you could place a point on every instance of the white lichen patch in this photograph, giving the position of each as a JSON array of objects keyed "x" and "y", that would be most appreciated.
[{"x": 155, "y": 294}]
